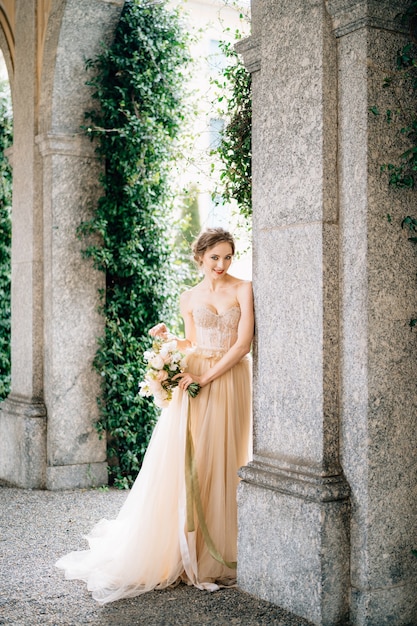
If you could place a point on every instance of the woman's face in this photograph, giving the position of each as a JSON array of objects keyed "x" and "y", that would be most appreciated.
[{"x": 217, "y": 260}]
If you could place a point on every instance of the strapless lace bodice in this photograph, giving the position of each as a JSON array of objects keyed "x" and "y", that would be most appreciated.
[{"x": 216, "y": 332}]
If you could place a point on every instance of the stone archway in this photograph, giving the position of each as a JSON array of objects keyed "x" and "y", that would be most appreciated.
[{"x": 46, "y": 424}]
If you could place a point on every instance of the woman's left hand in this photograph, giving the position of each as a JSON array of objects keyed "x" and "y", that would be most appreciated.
[{"x": 185, "y": 379}]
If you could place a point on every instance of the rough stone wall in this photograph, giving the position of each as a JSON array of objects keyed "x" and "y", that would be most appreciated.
[
  {"x": 334, "y": 292},
  {"x": 294, "y": 510},
  {"x": 378, "y": 357}
]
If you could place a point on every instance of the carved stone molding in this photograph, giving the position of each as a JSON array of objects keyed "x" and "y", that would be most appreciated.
[
  {"x": 23, "y": 407},
  {"x": 351, "y": 15},
  {"x": 305, "y": 485},
  {"x": 8, "y": 23},
  {"x": 23, "y": 440},
  {"x": 250, "y": 49},
  {"x": 77, "y": 145}
]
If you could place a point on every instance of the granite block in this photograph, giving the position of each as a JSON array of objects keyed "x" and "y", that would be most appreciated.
[
  {"x": 77, "y": 476},
  {"x": 72, "y": 321},
  {"x": 378, "y": 298},
  {"x": 385, "y": 607},
  {"x": 295, "y": 124},
  {"x": 23, "y": 443},
  {"x": 295, "y": 553},
  {"x": 296, "y": 364},
  {"x": 55, "y": 321},
  {"x": 82, "y": 30}
]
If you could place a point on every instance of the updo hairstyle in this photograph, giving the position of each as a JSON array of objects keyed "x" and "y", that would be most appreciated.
[{"x": 208, "y": 239}]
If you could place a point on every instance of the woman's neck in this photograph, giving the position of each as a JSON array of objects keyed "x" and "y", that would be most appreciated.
[{"x": 215, "y": 284}]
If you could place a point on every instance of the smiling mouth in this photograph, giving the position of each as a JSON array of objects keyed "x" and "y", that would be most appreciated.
[{"x": 219, "y": 271}]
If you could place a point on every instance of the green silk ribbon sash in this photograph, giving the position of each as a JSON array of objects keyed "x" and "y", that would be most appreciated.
[{"x": 193, "y": 497}]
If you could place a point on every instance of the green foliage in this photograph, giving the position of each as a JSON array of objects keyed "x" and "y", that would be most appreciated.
[
  {"x": 402, "y": 174},
  {"x": 190, "y": 216},
  {"x": 235, "y": 150},
  {"x": 189, "y": 227},
  {"x": 6, "y": 139},
  {"x": 138, "y": 86}
]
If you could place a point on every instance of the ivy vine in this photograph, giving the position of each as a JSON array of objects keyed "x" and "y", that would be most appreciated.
[
  {"x": 235, "y": 147},
  {"x": 6, "y": 140},
  {"x": 137, "y": 84},
  {"x": 403, "y": 171}
]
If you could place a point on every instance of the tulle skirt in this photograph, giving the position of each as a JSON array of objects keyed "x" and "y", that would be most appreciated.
[{"x": 150, "y": 544}]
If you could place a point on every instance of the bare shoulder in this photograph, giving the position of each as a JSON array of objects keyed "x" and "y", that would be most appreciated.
[
  {"x": 244, "y": 294},
  {"x": 186, "y": 298},
  {"x": 240, "y": 282},
  {"x": 244, "y": 287}
]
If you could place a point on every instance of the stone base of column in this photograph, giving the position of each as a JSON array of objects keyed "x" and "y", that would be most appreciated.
[
  {"x": 79, "y": 476},
  {"x": 293, "y": 545},
  {"x": 395, "y": 605},
  {"x": 23, "y": 443}
]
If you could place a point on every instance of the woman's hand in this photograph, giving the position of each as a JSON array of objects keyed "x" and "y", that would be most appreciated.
[
  {"x": 185, "y": 379},
  {"x": 160, "y": 330}
]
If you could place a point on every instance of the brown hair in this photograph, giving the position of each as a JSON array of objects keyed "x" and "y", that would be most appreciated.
[{"x": 210, "y": 238}]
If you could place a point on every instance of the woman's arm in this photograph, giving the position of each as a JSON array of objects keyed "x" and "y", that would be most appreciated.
[
  {"x": 187, "y": 316},
  {"x": 161, "y": 330}
]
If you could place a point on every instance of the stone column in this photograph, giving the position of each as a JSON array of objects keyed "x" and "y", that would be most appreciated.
[
  {"x": 378, "y": 351},
  {"x": 293, "y": 499},
  {"x": 335, "y": 288},
  {"x": 23, "y": 414},
  {"x": 76, "y": 457},
  {"x": 55, "y": 323}
]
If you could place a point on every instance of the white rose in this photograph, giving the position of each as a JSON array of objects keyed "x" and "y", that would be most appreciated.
[
  {"x": 148, "y": 355},
  {"x": 155, "y": 387},
  {"x": 161, "y": 399},
  {"x": 157, "y": 362},
  {"x": 144, "y": 389},
  {"x": 167, "y": 348},
  {"x": 176, "y": 357}
]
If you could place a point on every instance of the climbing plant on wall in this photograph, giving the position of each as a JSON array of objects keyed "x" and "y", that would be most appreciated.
[
  {"x": 6, "y": 138},
  {"x": 234, "y": 148},
  {"x": 137, "y": 83},
  {"x": 403, "y": 117},
  {"x": 402, "y": 171}
]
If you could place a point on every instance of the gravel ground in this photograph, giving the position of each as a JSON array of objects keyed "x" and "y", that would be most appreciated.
[{"x": 37, "y": 527}]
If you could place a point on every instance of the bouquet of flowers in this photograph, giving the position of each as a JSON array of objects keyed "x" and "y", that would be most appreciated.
[{"x": 163, "y": 362}]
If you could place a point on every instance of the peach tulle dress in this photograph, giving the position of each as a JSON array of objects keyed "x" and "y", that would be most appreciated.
[{"x": 149, "y": 545}]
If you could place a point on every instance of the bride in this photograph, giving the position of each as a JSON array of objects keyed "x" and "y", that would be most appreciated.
[{"x": 179, "y": 521}]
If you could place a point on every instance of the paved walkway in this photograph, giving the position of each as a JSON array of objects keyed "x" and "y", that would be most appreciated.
[{"x": 36, "y": 527}]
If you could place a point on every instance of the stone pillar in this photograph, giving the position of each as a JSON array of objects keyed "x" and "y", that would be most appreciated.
[
  {"x": 76, "y": 457},
  {"x": 23, "y": 414},
  {"x": 334, "y": 363},
  {"x": 378, "y": 351},
  {"x": 55, "y": 323},
  {"x": 293, "y": 499}
]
